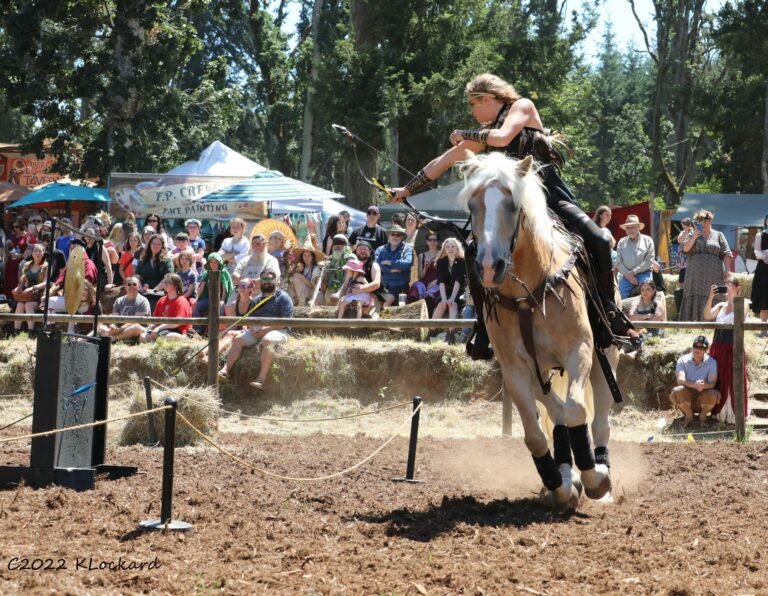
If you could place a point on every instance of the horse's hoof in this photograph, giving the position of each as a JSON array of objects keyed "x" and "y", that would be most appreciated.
[
  {"x": 563, "y": 499},
  {"x": 602, "y": 486}
]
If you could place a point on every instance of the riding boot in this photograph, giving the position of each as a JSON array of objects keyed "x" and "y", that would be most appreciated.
[
  {"x": 621, "y": 326},
  {"x": 478, "y": 344}
]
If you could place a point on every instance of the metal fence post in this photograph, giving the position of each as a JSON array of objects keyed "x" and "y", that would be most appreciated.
[
  {"x": 738, "y": 367},
  {"x": 214, "y": 284},
  {"x": 414, "y": 439}
]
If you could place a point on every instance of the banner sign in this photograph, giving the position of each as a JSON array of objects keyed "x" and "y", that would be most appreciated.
[
  {"x": 180, "y": 197},
  {"x": 26, "y": 170}
]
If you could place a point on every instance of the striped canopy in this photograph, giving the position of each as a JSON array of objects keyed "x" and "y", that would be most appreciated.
[{"x": 271, "y": 186}]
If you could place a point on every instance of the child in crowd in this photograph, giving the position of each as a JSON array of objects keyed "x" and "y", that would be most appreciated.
[
  {"x": 196, "y": 243},
  {"x": 188, "y": 275},
  {"x": 350, "y": 289},
  {"x": 181, "y": 245}
]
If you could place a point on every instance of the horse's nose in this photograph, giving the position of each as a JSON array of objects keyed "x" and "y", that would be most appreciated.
[{"x": 499, "y": 269}]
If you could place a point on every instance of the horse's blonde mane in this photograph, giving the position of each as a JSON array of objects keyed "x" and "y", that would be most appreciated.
[{"x": 482, "y": 170}]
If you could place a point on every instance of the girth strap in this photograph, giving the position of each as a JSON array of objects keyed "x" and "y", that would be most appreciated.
[{"x": 525, "y": 316}]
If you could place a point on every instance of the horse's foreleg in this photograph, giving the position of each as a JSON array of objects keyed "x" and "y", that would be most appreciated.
[
  {"x": 555, "y": 475},
  {"x": 595, "y": 477}
]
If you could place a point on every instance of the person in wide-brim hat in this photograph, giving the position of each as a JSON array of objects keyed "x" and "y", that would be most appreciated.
[
  {"x": 297, "y": 252},
  {"x": 632, "y": 220}
]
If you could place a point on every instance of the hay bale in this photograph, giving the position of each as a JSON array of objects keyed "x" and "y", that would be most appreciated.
[{"x": 202, "y": 413}]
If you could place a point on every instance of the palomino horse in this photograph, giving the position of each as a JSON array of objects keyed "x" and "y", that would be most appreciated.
[{"x": 538, "y": 322}]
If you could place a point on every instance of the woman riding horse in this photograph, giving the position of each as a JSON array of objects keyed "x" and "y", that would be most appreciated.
[{"x": 511, "y": 124}]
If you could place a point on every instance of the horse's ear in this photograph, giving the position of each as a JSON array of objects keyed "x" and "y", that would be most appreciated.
[
  {"x": 524, "y": 166},
  {"x": 469, "y": 165}
]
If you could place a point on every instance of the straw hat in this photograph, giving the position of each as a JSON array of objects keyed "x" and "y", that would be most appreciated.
[
  {"x": 267, "y": 226},
  {"x": 632, "y": 220},
  {"x": 74, "y": 280},
  {"x": 296, "y": 252}
]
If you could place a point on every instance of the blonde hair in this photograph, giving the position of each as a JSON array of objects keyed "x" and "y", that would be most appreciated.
[
  {"x": 704, "y": 214},
  {"x": 116, "y": 235},
  {"x": 490, "y": 84},
  {"x": 456, "y": 243}
]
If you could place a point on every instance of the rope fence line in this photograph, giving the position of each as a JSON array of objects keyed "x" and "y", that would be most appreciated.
[
  {"x": 111, "y": 386},
  {"x": 263, "y": 472},
  {"x": 266, "y": 419},
  {"x": 80, "y": 426}
]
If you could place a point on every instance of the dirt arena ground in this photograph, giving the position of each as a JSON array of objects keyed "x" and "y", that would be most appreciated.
[{"x": 687, "y": 518}]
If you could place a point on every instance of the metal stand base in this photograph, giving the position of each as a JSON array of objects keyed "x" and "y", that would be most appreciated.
[
  {"x": 174, "y": 525},
  {"x": 408, "y": 480},
  {"x": 78, "y": 479}
]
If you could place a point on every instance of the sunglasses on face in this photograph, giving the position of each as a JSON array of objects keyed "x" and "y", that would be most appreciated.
[
  {"x": 132, "y": 284},
  {"x": 267, "y": 279},
  {"x": 243, "y": 286},
  {"x": 371, "y": 213}
]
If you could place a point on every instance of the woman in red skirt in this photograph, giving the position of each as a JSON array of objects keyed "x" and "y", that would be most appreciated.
[{"x": 722, "y": 351}]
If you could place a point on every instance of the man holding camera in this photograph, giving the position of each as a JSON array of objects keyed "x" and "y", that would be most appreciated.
[{"x": 696, "y": 380}]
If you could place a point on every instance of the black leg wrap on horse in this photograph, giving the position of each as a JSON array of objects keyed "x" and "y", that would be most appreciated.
[
  {"x": 582, "y": 451},
  {"x": 601, "y": 456},
  {"x": 562, "y": 445},
  {"x": 547, "y": 469}
]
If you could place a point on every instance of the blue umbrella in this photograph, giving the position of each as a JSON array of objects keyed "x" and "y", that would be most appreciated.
[
  {"x": 271, "y": 186},
  {"x": 59, "y": 191}
]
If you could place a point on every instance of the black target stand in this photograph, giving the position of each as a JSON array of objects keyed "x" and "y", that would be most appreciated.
[{"x": 71, "y": 388}]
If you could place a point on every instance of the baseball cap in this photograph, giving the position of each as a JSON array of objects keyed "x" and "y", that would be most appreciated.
[
  {"x": 701, "y": 342},
  {"x": 373, "y": 208}
]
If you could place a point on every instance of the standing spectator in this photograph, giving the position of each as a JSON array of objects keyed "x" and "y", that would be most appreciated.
[
  {"x": 188, "y": 276},
  {"x": 696, "y": 379},
  {"x": 336, "y": 225},
  {"x": 98, "y": 255},
  {"x": 235, "y": 246},
  {"x": 132, "y": 304},
  {"x": 271, "y": 303},
  {"x": 760, "y": 280},
  {"x": 154, "y": 265},
  {"x": 31, "y": 282},
  {"x": 174, "y": 305},
  {"x": 411, "y": 228},
  {"x": 722, "y": 352},
  {"x": 306, "y": 273},
  {"x": 58, "y": 261},
  {"x": 333, "y": 276},
  {"x": 648, "y": 307},
  {"x": 602, "y": 218},
  {"x": 371, "y": 232},
  {"x": 452, "y": 279},
  {"x": 681, "y": 262},
  {"x": 146, "y": 235},
  {"x": 347, "y": 217},
  {"x": 214, "y": 263},
  {"x": 132, "y": 252},
  {"x": 709, "y": 264},
  {"x": 257, "y": 261},
  {"x": 196, "y": 243},
  {"x": 634, "y": 257},
  {"x": 395, "y": 259}
]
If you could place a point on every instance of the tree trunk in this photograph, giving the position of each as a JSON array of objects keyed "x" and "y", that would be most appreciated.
[
  {"x": 394, "y": 152},
  {"x": 764, "y": 166},
  {"x": 309, "y": 115}
]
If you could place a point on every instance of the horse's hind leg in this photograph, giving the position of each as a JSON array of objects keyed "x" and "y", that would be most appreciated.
[{"x": 555, "y": 476}]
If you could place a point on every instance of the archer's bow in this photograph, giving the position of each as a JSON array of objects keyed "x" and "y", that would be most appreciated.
[{"x": 375, "y": 182}]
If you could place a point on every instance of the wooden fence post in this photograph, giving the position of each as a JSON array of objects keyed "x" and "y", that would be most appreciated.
[
  {"x": 214, "y": 283},
  {"x": 738, "y": 366}
]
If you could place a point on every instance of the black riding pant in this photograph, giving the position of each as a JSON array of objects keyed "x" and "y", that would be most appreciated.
[{"x": 560, "y": 199}]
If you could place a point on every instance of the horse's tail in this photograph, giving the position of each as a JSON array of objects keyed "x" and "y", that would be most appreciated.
[{"x": 560, "y": 387}]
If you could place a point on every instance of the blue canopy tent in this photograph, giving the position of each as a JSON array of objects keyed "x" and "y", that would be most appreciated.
[
  {"x": 59, "y": 191},
  {"x": 273, "y": 187}
]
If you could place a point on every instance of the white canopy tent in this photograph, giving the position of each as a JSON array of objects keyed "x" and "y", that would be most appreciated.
[{"x": 219, "y": 160}]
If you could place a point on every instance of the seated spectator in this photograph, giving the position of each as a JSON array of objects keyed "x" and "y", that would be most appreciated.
[
  {"x": 214, "y": 263},
  {"x": 352, "y": 290},
  {"x": 451, "y": 278},
  {"x": 271, "y": 303},
  {"x": 276, "y": 248},
  {"x": 181, "y": 244},
  {"x": 132, "y": 252},
  {"x": 426, "y": 286},
  {"x": 188, "y": 275},
  {"x": 239, "y": 308},
  {"x": 196, "y": 243},
  {"x": 174, "y": 305},
  {"x": 234, "y": 247},
  {"x": 648, "y": 307},
  {"x": 306, "y": 274},
  {"x": 696, "y": 380},
  {"x": 372, "y": 272},
  {"x": 132, "y": 304},
  {"x": 634, "y": 257},
  {"x": 59, "y": 260},
  {"x": 256, "y": 261},
  {"x": 155, "y": 264},
  {"x": 31, "y": 285},
  {"x": 411, "y": 228},
  {"x": 333, "y": 277},
  {"x": 395, "y": 259}
]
